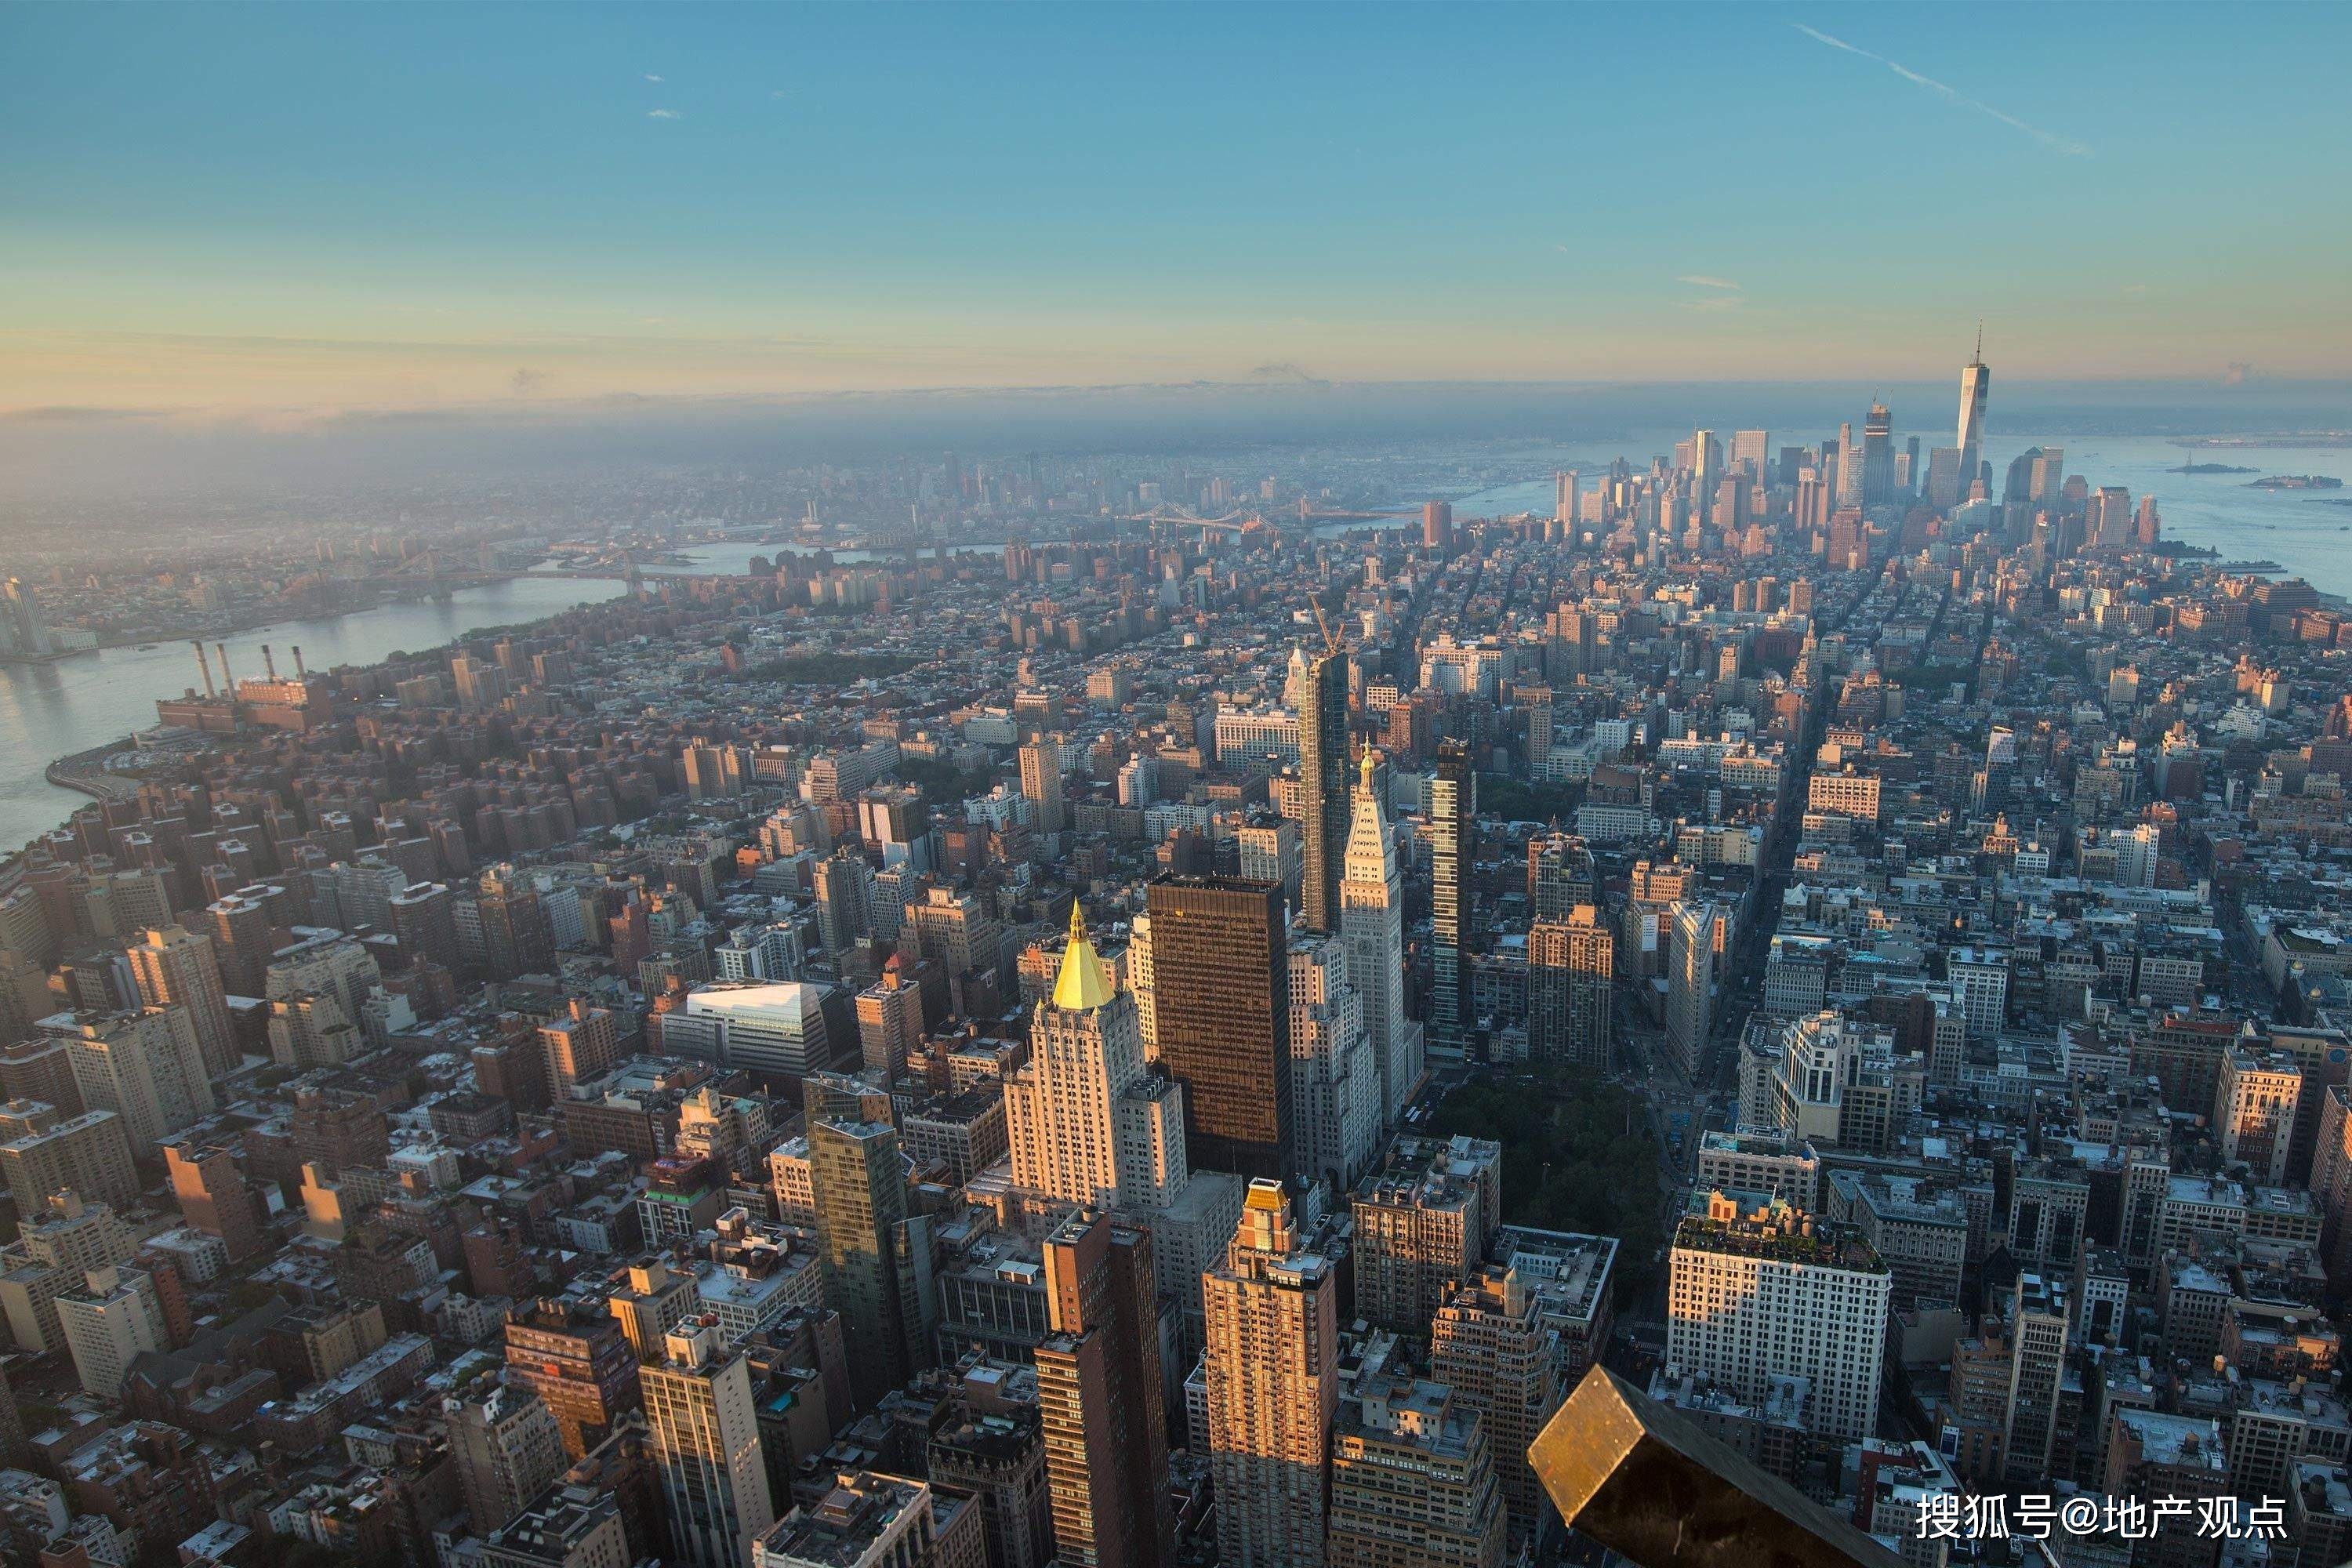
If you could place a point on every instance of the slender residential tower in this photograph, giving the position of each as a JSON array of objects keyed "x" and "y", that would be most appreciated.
[
  {"x": 1453, "y": 819},
  {"x": 1323, "y": 775},
  {"x": 1272, "y": 1374}
]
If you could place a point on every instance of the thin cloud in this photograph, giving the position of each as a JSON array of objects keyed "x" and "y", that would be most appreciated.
[
  {"x": 2049, "y": 139},
  {"x": 650, "y": 77},
  {"x": 663, "y": 114},
  {"x": 1704, "y": 281}
]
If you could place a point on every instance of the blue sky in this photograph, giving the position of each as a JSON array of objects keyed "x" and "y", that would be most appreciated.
[{"x": 283, "y": 206}]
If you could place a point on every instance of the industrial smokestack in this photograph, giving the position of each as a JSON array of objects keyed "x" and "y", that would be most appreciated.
[
  {"x": 205, "y": 665},
  {"x": 229, "y": 681},
  {"x": 300, "y": 673},
  {"x": 268, "y": 664}
]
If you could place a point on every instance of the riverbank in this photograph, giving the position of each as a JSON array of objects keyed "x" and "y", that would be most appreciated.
[
  {"x": 85, "y": 772},
  {"x": 51, "y": 711}
]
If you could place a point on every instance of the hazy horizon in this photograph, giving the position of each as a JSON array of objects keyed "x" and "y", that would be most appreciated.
[
  {"x": 90, "y": 451},
  {"x": 287, "y": 214}
]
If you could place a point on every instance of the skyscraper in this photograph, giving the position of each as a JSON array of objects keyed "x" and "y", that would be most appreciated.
[
  {"x": 1751, "y": 454},
  {"x": 1453, "y": 825},
  {"x": 1087, "y": 1121},
  {"x": 2108, "y": 525},
  {"x": 108, "y": 1320},
  {"x": 1335, "y": 1081},
  {"x": 1701, "y": 936},
  {"x": 1272, "y": 1370},
  {"x": 1423, "y": 1222},
  {"x": 175, "y": 967},
  {"x": 1437, "y": 526},
  {"x": 26, "y": 633},
  {"x": 1569, "y": 965},
  {"x": 1850, "y": 468},
  {"x": 1371, "y": 917},
  {"x": 1323, "y": 779},
  {"x": 1098, "y": 1390},
  {"x": 860, "y": 1189},
  {"x": 1040, "y": 784},
  {"x": 1878, "y": 457},
  {"x": 517, "y": 938},
  {"x": 845, "y": 896},
  {"x": 1489, "y": 1344},
  {"x": 1976, "y": 384},
  {"x": 144, "y": 1066},
  {"x": 89, "y": 1152},
  {"x": 1221, "y": 992},
  {"x": 579, "y": 1046},
  {"x": 706, "y": 1432}
]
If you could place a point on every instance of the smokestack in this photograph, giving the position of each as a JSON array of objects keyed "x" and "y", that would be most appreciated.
[
  {"x": 300, "y": 673},
  {"x": 267, "y": 663},
  {"x": 229, "y": 681},
  {"x": 205, "y": 665}
]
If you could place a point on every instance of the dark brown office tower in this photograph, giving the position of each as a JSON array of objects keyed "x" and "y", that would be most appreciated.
[
  {"x": 580, "y": 1364},
  {"x": 1323, "y": 798},
  {"x": 209, "y": 1182},
  {"x": 1220, "y": 990},
  {"x": 1098, "y": 1393}
]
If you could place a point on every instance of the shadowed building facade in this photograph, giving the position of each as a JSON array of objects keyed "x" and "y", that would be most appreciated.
[{"x": 1221, "y": 994}]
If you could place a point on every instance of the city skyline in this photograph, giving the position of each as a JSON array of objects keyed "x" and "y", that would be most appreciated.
[
  {"x": 1175, "y": 787},
  {"x": 262, "y": 213}
]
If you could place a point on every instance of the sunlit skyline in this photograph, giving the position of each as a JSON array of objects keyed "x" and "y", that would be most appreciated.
[{"x": 243, "y": 210}]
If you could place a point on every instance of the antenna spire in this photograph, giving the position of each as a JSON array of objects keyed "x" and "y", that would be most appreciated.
[{"x": 1979, "y": 355}]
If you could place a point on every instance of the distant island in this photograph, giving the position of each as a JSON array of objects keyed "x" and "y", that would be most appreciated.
[
  {"x": 2297, "y": 482},
  {"x": 2274, "y": 438},
  {"x": 2211, "y": 468}
]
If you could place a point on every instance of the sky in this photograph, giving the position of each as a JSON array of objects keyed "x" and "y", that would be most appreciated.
[{"x": 290, "y": 212}]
